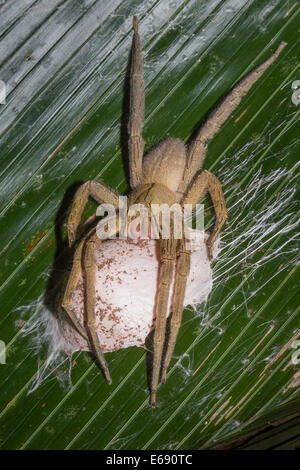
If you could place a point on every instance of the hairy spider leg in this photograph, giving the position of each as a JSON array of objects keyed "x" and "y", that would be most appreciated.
[
  {"x": 84, "y": 257},
  {"x": 197, "y": 149},
  {"x": 203, "y": 183},
  {"x": 136, "y": 111},
  {"x": 166, "y": 272},
  {"x": 90, "y": 279},
  {"x": 71, "y": 285},
  {"x": 100, "y": 193},
  {"x": 181, "y": 275},
  {"x": 94, "y": 189}
]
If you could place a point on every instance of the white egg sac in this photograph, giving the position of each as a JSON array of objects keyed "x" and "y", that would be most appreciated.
[{"x": 126, "y": 289}]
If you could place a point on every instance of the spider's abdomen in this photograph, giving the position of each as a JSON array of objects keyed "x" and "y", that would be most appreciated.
[{"x": 165, "y": 164}]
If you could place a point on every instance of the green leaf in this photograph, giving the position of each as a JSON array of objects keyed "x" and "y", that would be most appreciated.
[{"x": 64, "y": 65}]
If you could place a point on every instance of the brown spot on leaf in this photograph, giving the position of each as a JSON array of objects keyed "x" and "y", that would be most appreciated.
[{"x": 33, "y": 242}]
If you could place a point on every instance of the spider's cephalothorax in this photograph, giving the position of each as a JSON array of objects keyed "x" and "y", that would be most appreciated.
[{"x": 170, "y": 173}]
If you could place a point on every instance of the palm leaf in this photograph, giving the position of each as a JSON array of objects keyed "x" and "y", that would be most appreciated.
[{"x": 64, "y": 64}]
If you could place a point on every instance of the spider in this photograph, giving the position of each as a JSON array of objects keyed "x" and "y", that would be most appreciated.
[{"x": 170, "y": 173}]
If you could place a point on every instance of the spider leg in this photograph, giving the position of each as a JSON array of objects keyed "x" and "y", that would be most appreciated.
[
  {"x": 167, "y": 263},
  {"x": 197, "y": 149},
  {"x": 97, "y": 191},
  {"x": 204, "y": 182},
  {"x": 182, "y": 272},
  {"x": 90, "y": 275},
  {"x": 71, "y": 286},
  {"x": 137, "y": 103}
]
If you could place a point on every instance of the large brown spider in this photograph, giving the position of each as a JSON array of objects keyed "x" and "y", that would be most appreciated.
[{"x": 170, "y": 173}]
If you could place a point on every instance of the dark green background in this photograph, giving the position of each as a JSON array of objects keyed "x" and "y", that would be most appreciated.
[{"x": 64, "y": 63}]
